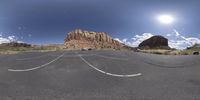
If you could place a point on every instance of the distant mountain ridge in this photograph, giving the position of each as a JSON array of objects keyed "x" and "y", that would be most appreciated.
[
  {"x": 194, "y": 47},
  {"x": 15, "y": 44}
]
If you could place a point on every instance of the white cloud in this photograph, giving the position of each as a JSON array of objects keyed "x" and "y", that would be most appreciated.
[
  {"x": 117, "y": 39},
  {"x": 175, "y": 40},
  {"x": 136, "y": 40},
  {"x": 181, "y": 42},
  {"x": 4, "y": 40},
  {"x": 12, "y": 38},
  {"x": 125, "y": 41},
  {"x": 191, "y": 40},
  {"x": 169, "y": 35},
  {"x": 142, "y": 37},
  {"x": 9, "y": 39},
  {"x": 20, "y": 42},
  {"x": 176, "y": 32}
]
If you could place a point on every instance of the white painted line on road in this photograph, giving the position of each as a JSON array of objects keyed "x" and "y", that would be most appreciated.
[
  {"x": 33, "y": 57},
  {"x": 30, "y": 69},
  {"x": 111, "y": 57},
  {"x": 107, "y": 73}
]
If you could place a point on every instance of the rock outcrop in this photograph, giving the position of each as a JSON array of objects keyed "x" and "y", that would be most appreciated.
[
  {"x": 155, "y": 42},
  {"x": 79, "y": 39}
]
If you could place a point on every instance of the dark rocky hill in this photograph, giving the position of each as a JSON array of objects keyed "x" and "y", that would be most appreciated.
[{"x": 155, "y": 42}]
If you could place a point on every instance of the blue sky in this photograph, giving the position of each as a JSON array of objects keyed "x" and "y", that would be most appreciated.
[{"x": 129, "y": 21}]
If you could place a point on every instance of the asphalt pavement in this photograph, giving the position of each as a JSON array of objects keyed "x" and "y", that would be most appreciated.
[{"x": 99, "y": 75}]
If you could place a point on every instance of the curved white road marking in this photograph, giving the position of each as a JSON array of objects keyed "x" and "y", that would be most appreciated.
[
  {"x": 107, "y": 73},
  {"x": 33, "y": 57},
  {"x": 30, "y": 69},
  {"x": 111, "y": 57}
]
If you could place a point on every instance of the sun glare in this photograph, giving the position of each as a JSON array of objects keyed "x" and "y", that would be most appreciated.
[{"x": 165, "y": 19}]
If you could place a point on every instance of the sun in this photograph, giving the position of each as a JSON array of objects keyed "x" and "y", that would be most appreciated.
[{"x": 165, "y": 19}]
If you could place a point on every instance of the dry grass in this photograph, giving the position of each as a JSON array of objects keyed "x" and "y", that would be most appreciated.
[
  {"x": 156, "y": 51},
  {"x": 15, "y": 50},
  {"x": 169, "y": 52},
  {"x": 8, "y": 52}
]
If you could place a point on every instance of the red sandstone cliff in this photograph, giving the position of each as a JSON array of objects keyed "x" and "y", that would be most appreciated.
[{"x": 78, "y": 39}]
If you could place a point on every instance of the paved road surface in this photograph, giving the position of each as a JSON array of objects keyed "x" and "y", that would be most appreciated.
[{"x": 99, "y": 75}]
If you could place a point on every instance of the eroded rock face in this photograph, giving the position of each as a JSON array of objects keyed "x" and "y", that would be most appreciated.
[
  {"x": 155, "y": 42},
  {"x": 78, "y": 39}
]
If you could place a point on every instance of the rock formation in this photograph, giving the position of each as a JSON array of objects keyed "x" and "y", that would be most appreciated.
[
  {"x": 79, "y": 39},
  {"x": 155, "y": 42}
]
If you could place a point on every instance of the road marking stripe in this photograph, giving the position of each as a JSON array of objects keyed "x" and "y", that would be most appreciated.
[
  {"x": 30, "y": 69},
  {"x": 107, "y": 73}
]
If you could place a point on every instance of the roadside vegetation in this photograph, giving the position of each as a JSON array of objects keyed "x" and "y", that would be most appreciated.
[
  {"x": 170, "y": 52},
  {"x": 45, "y": 48}
]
